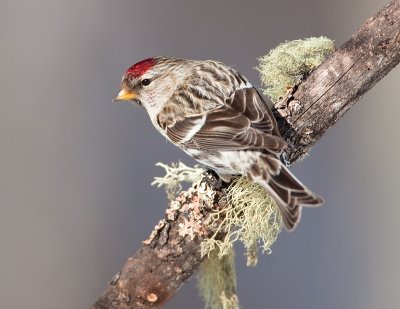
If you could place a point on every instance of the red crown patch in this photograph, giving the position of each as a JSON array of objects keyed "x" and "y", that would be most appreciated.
[{"x": 138, "y": 69}]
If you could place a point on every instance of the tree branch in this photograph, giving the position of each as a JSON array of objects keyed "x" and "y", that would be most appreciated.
[
  {"x": 332, "y": 88},
  {"x": 154, "y": 274}
]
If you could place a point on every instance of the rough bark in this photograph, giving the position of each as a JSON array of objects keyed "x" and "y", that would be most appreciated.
[
  {"x": 154, "y": 274},
  {"x": 331, "y": 89},
  {"x": 167, "y": 258}
]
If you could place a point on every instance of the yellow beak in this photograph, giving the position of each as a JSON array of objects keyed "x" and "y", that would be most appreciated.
[{"x": 125, "y": 95}]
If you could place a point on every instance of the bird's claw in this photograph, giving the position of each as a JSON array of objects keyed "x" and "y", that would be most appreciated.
[{"x": 213, "y": 180}]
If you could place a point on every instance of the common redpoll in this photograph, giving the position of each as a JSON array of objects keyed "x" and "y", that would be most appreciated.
[{"x": 216, "y": 116}]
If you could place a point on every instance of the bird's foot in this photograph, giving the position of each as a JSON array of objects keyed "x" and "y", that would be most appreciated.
[{"x": 216, "y": 181}]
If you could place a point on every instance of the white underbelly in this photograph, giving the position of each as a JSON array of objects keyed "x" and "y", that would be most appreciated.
[{"x": 226, "y": 162}]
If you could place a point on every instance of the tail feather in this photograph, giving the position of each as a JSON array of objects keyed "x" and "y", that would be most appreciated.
[{"x": 289, "y": 194}]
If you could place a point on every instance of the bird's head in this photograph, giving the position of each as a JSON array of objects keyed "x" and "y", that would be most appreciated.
[{"x": 151, "y": 82}]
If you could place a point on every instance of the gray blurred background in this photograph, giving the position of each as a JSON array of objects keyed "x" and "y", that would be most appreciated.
[{"x": 75, "y": 169}]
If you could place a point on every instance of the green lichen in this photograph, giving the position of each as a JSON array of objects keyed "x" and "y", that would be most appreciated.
[
  {"x": 217, "y": 281},
  {"x": 284, "y": 65},
  {"x": 251, "y": 218}
]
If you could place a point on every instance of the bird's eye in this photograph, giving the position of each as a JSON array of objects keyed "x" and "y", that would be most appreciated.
[{"x": 146, "y": 82}]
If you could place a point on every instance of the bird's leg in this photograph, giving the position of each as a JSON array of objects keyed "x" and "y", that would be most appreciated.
[{"x": 226, "y": 178}]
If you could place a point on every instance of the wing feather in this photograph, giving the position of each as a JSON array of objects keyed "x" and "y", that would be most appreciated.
[{"x": 244, "y": 122}]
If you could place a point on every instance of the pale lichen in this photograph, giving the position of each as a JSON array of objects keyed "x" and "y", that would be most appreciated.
[
  {"x": 251, "y": 217},
  {"x": 284, "y": 65},
  {"x": 217, "y": 281},
  {"x": 175, "y": 175}
]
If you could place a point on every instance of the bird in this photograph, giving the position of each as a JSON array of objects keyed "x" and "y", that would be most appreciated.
[{"x": 215, "y": 115}]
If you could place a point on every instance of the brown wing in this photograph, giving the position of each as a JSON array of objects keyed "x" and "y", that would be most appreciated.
[
  {"x": 250, "y": 103},
  {"x": 244, "y": 122}
]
